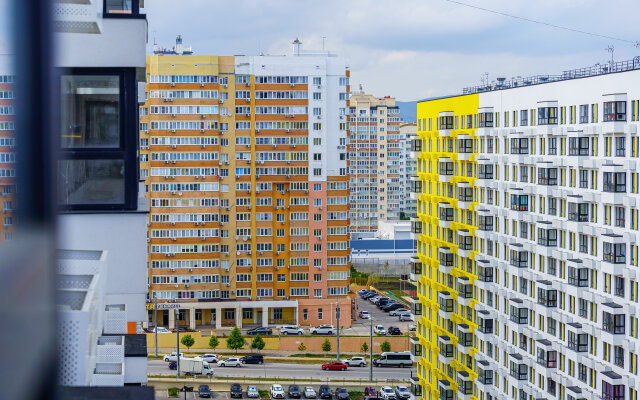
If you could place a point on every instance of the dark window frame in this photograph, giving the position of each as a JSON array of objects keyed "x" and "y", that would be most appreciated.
[
  {"x": 135, "y": 11},
  {"x": 614, "y": 111},
  {"x": 614, "y": 182},
  {"x": 128, "y": 149},
  {"x": 548, "y": 116},
  {"x": 578, "y": 146}
]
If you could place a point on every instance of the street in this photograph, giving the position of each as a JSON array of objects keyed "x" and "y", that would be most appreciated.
[{"x": 291, "y": 370}]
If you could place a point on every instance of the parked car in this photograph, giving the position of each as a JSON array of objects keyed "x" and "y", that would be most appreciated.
[
  {"x": 383, "y": 301},
  {"x": 291, "y": 330},
  {"x": 374, "y": 298},
  {"x": 252, "y": 392},
  {"x": 323, "y": 330},
  {"x": 309, "y": 392},
  {"x": 397, "y": 311},
  {"x": 405, "y": 317},
  {"x": 210, "y": 358},
  {"x": 260, "y": 331},
  {"x": 369, "y": 295},
  {"x": 394, "y": 330},
  {"x": 386, "y": 393},
  {"x": 277, "y": 392},
  {"x": 394, "y": 359},
  {"x": 335, "y": 366},
  {"x": 342, "y": 394},
  {"x": 413, "y": 327},
  {"x": 365, "y": 314},
  {"x": 182, "y": 329},
  {"x": 370, "y": 393},
  {"x": 160, "y": 329},
  {"x": 362, "y": 291},
  {"x": 402, "y": 392},
  {"x": 236, "y": 390},
  {"x": 379, "y": 330},
  {"x": 325, "y": 392},
  {"x": 294, "y": 392},
  {"x": 391, "y": 307},
  {"x": 356, "y": 361},
  {"x": 230, "y": 362},
  {"x": 252, "y": 359},
  {"x": 172, "y": 357},
  {"x": 204, "y": 391}
]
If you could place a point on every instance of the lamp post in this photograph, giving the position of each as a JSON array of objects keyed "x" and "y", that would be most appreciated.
[
  {"x": 155, "y": 320},
  {"x": 178, "y": 342},
  {"x": 338, "y": 331},
  {"x": 370, "y": 349}
]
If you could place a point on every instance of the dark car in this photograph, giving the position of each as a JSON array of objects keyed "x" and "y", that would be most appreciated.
[
  {"x": 392, "y": 307},
  {"x": 370, "y": 393},
  {"x": 342, "y": 394},
  {"x": 260, "y": 331},
  {"x": 369, "y": 295},
  {"x": 388, "y": 305},
  {"x": 173, "y": 365},
  {"x": 204, "y": 391},
  {"x": 252, "y": 359},
  {"x": 325, "y": 392},
  {"x": 385, "y": 300},
  {"x": 236, "y": 390},
  {"x": 294, "y": 392},
  {"x": 394, "y": 330}
]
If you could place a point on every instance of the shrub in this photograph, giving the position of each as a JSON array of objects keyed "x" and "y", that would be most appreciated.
[
  {"x": 235, "y": 340},
  {"x": 365, "y": 347},
  {"x": 302, "y": 347},
  {"x": 214, "y": 342},
  {"x": 385, "y": 346},
  {"x": 173, "y": 392},
  {"x": 326, "y": 345},
  {"x": 188, "y": 341},
  {"x": 257, "y": 343}
]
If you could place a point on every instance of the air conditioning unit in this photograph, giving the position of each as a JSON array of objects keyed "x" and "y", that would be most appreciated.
[
  {"x": 201, "y": 84},
  {"x": 176, "y": 286},
  {"x": 197, "y": 223},
  {"x": 257, "y": 130},
  {"x": 293, "y": 85},
  {"x": 179, "y": 193},
  {"x": 228, "y": 284},
  {"x": 220, "y": 101},
  {"x": 174, "y": 239},
  {"x": 248, "y": 100},
  {"x": 247, "y": 84},
  {"x": 166, "y": 177},
  {"x": 293, "y": 145},
  {"x": 173, "y": 84},
  {"x": 173, "y": 223},
  {"x": 260, "y": 252},
  {"x": 201, "y": 130},
  {"x": 288, "y": 176},
  {"x": 249, "y": 252},
  {"x": 226, "y": 85},
  {"x": 173, "y": 131},
  {"x": 173, "y": 270},
  {"x": 173, "y": 146},
  {"x": 277, "y": 253},
  {"x": 248, "y": 146},
  {"x": 173, "y": 115},
  {"x": 148, "y": 240},
  {"x": 287, "y": 130},
  {"x": 165, "y": 100},
  {"x": 202, "y": 238},
  {"x": 173, "y": 192},
  {"x": 282, "y": 223},
  {"x": 171, "y": 99},
  {"x": 288, "y": 161},
  {"x": 219, "y": 162},
  {"x": 258, "y": 176},
  {"x": 274, "y": 145},
  {"x": 186, "y": 285},
  {"x": 277, "y": 268},
  {"x": 204, "y": 146},
  {"x": 173, "y": 161},
  {"x": 197, "y": 177},
  {"x": 257, "y": 191},
  {"x": 306, "y": 191},
  {"x": 247, "y": 115}
]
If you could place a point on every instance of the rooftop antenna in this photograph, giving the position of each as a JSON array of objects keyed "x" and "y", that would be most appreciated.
[
  {"x": 485, "y": 78},
  {"x": 296, "y": 47},
  {"x": 610, "y": 49},
  {"x": 323, "y": 39}
]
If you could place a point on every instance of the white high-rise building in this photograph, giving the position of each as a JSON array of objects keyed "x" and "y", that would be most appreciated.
[
  {"x": 102, "y": 270},
  {"x": 528, "y": 236}
]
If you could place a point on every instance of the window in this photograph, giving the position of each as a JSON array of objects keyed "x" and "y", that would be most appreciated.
[
  {"x": 305, "y": 314},
  {"x": 614, "y": 252},
  {"x": 320, "y": 312},
  {"x": 548, "y": 116},
  {"x": 612, "y": 392},
  {"x": 615, "y": 182},
  {"x": 613, "y": 323},
  {"x": 579, "y": 146},
  {"x": 524, "y": 118},
  {"x": 552, "y": 146},
  {"x": 99, "y": 125},
  {"x": 615, "y": 111},
  {"x": 620, "y": 146},
  {"x": 547, "y": 176},
  {"x": 485, "y": 120},
  {"x": 584, "y": 114},
  {"x": 122, "y": 9}
]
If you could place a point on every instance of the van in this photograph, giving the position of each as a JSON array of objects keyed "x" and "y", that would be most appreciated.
[{"x": 394, "y": 359}]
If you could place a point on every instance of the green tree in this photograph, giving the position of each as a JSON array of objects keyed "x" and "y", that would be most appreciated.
[
  {"x": 214, "y": 342},
  {"x": 326, "y": 345},
  {"x": 235, "y": 340},
  {"x": 365, "y": 347},
  {"x": 385, "y": 346},
  {"x": 187, "y": 340},
  {"x": 302, "y": 347},
  {"x": 257, "y": 343}
]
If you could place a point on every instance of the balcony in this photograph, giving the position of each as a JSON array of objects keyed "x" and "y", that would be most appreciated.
[
  {"x": 446, "y": 393},
  {"x": 485, "y": 272},
  {"x": 614, "y": 253},
  {"x": 108, "y": 374},
  {"x": 485, "y": 119},
  {"x": 577, "y": 274},
  {"x": 612, "y": 386},
  {"x": 519, "y": 146},
  {"x": 445, "y": 123},
  {"x": 485, "y": 171},
  {"x": 614, "y": 182},
  {"x": 446, "y": 349},
  {"x": 577, "y": 340},
  {"x": 446, "y": 258},
  {"x": 545, "y": 357},
  {"x": 110, "y": 349},
  {"x": 416, "y": 229},
  {"x": 485, "y": 222},
  {"x": 613, "y": 323},
  {"x": 518, "y": 369},
  {"x": 518, "y": 314},
  {"x": 115, "y": 319},
  {"x": 416, "y": 269},
  {"x": 485, "y": 375},
  {"x": 579, "y": 146},
  {"x": 519, "y": 258},
  {"x": 416, "y": 148},
  {"x": 416, "y": 306},
  {"x": 579, "y": 212},
  {"x": 415, "y": 188},
  {"x": 445, "y": 169},
  {"x": 445, "y": 214},
  {"x": 416, "y": 347},
  {"x": 465, "y": 291},
  {"x": 548, "y": 176},
  {"x": 465, "y": 243},
  {"x": 548, "y": 116},
  {"x": 465, "y": 338},
  {"x": 465, "y": 195},
  {"x": 446, "y": 305},
  {"x": 485, "y": 323},
  {"x": 465, "y": 386},
  {"x": 465, "y": 147},
  {"x": 547, "y": 297},
  {"x": 547, "y": 237}
]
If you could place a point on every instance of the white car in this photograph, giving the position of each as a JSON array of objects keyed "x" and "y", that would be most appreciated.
[
  {"x": 402, "y": 393},
  {"x": 276, "y": 392},
  {"x": 386, "y": 393},
  {"x": 172, "y": 357},
  {"x": 309, "y": 393},
  {"x": 162, "y": 329},
  {"x": 398, "y": 311},
  {"x": 379, "y": 330},
  {"x": 365, "y": 315},
  {"x": 210, "y": 358},
  {"x": 252, "y": 392},
  {"x": 323, "y": 330},
  {"x": 413, "y": 327},
  {"x": 355, "y": 362},
  {"x": 405, "y": 316},
  {"x": 291, "y": 330},
  {"x": 375, "y": 298},
  {"x": 230, "y": 362}
]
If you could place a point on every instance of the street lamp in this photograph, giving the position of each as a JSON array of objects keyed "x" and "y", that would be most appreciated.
[
  {"x": 178, "y": 342},
  {"x": 371, "y": 349},
  {"x": 338, "y": 331}
]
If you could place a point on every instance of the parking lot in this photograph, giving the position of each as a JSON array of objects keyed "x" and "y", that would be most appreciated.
[{"x": 361, "y": 326}]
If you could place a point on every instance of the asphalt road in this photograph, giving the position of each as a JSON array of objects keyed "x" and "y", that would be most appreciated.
[
  {"x": 362, "y": 327},
  {"x": 291, "y": 370}
]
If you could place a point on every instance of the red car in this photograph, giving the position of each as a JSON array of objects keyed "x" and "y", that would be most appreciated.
[{"x": 335, "y": 366}]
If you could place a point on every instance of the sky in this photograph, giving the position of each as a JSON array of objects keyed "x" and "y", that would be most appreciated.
[{"x": 408, "y": 49}]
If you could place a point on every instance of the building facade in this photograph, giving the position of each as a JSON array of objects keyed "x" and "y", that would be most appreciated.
[
  {"x": 101, "y": 265},
  {"x": 376, "y": 165},
  {"x": 246, "y": 172},
  {"x": 409, "y": 205},
  {"x": 7, "y": 149},
  {"x": 527, "y": 234}
]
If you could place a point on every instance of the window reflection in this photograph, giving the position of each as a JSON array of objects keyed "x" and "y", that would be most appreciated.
[{"x": 91, "y": 182}]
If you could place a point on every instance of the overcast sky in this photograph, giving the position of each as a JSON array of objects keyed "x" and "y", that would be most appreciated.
[{"x": 410, "y": 49}]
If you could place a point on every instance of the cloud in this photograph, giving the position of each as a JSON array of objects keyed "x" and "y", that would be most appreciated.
[{"x": 407, "y": 48}]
